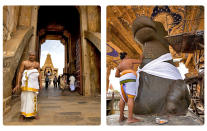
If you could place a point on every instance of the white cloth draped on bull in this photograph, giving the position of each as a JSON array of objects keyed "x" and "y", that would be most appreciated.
[
  {"x": 160, "y": 68},
  {"x": 129, "y": 81},
  {"x": 30, "y": 88}
]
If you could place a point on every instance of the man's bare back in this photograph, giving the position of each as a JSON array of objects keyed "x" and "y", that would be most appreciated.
[{"x": 127, "y": 64}]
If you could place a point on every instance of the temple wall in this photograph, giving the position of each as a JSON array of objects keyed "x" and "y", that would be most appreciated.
[
  {"x": 72, "y": 56},
  {"x": 95, "y": 55},
  {"x": 17, "y": 36},
  {"x": 10, "y": 21},
  {"x": 90, "y": 21}
]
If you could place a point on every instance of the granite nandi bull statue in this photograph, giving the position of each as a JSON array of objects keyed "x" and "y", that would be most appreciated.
[{"x": 157, "y": 95}]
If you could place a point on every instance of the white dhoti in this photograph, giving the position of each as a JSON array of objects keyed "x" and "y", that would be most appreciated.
[
  {"x": 28, "y": 103},
  {"x": 30, "y": 88},
  {"x": 128, "y": 85},
  {"x": 72, "y": 83},
  {"x": 160, "y": 68},
  {"x": 72, "y": 87}
]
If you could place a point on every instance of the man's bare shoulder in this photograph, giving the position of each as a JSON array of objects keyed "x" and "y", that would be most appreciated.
[
  {"x": 132, "y": 59},
  {"x": 25, "y": 62},
  {"x": 127, "y": 61},
  {"x": 36, "y": 62}
]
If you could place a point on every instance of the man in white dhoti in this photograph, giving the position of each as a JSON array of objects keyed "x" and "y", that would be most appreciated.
[
  {"x": 129, "y": 89},
  {"x": 30, "y": 80},
  {"x": 72, "y": 83}
]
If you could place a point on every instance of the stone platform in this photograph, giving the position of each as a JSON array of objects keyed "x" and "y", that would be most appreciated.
[{"x": 149, "y": 120}]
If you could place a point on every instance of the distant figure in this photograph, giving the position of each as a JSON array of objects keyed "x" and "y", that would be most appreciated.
[
  {"x": 48, "y": 73},
  {"x": 47, "y": 80},
  {"x": 72, "y": 83},
  {"x": 58, "y": 81},
  {"x": 55, "y": 82},
  {"x": 62, "y": 82}
]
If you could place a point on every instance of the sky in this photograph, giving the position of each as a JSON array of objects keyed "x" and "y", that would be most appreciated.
[
  {"x": 56, "y": 50},
  {"x": 115, "y": 81}
]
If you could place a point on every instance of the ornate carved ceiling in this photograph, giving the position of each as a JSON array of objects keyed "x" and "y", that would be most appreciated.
[
  {"x": 58, "y": 23},
  {"x": 54, "y": 32},
  {"x": 176, "y": 20}
]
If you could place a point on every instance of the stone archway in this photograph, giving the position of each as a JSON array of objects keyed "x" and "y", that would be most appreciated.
[{"x": 53, "y": 26}]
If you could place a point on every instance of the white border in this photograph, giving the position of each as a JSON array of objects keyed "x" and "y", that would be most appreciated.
[{"x": 103, "y": 4}]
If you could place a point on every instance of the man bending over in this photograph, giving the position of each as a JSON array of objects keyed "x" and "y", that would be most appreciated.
[{"x": 125, "y": 71}]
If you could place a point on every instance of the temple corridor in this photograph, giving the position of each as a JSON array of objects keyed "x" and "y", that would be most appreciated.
[{"x": 79, "y": 31}]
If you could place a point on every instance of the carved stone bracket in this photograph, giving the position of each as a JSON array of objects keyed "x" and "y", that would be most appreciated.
[{"x": 95, "y": 38}]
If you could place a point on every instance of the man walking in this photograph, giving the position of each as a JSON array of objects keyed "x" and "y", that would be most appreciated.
[
  {"x": 29, "y": 80},
  {"x": 55, "y": 82},
  {"x": 72, "y": 83},
  {"x": 47, "y": 81},
  {"x": 58, "y": 81}
]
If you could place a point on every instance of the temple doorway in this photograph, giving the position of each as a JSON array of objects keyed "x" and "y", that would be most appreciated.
[{"x": 53, "y": 28}]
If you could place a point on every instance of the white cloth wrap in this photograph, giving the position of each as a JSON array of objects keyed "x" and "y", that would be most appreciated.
[
  {"x": 130, "y": 88},
  {"x": 72, "y": 87},
  {"x": 72, "y": 83},
  {"x": 72, "y": 80},
  {"x": 28, "y": 103},
  {"x": 32, "y": 75},
  {"x": 160, "y": 68}
]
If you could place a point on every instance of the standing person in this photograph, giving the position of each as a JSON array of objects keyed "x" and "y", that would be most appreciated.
[
  {"x": 128, "y": 85},
  {"x": 62, "y": 82},
  {"x": 55, "y": 82},
  {"x": 29, "y": 80},
  {"x": 48, "y": 73},
  {"x": 47, "y": 81},
  {"x": 72, "y": 83},
  {"x": 58, "y": 81}
]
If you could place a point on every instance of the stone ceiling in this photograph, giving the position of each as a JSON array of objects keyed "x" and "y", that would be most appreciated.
[{"x": 58, "y": 22}]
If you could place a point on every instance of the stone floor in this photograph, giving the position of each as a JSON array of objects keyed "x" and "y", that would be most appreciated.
[
  {"x": 60, "y": 108},
  {"x": 149, "y": 120}
]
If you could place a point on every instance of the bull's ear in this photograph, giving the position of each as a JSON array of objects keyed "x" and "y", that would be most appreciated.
[{"x": 160, "y": 29}]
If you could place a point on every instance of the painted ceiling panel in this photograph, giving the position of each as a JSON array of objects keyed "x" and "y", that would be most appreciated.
[{"x": 176, "y": 20}]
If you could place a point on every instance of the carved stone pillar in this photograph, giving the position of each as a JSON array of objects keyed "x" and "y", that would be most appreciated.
[
  {"x": 85, "y": 54},
  {"x": 107, "y": 77},
  {"x": 34, "y": 15}
]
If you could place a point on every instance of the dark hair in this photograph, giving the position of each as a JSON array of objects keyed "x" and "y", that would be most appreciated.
[{"x": 122, "y": 55}]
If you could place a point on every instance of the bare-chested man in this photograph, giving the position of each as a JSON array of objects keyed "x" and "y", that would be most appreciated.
[
  {"x": 29, "y": 80},
  {"x": 125, "y": 71}
]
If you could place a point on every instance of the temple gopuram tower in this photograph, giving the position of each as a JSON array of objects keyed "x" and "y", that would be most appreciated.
[{"x": 48, "y": 66}]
